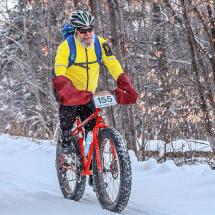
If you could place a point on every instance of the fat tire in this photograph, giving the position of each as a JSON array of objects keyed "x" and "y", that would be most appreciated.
[
  {"x": 125, "y": 172},
  {"x": 80, "y": 185}
]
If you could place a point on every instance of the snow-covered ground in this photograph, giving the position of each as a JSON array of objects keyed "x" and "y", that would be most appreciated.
[
  {"x": 6, "y": 5},
  {"x": 179, "y": 145},
  {"x": 28, "y": 185}
]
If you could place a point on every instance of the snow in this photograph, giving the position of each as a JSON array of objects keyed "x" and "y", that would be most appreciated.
[
  {"x": 179, "y": 145},
  {"x": 28, "y": 185},
  {"x": 6, "y": 5}
]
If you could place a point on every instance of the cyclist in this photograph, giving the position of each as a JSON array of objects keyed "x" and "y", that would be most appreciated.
[{"x": 75, "y": 83}]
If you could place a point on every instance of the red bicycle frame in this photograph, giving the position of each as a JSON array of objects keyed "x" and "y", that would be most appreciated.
[{"x": 86, "y": 159}]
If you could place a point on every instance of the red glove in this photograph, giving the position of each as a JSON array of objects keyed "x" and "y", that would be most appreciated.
[
  {"x": 125, "y": 93},
  {"x": 68, "y": 94}
]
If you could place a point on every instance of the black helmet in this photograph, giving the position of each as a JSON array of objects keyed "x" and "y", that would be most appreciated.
[{"x": 81, "y": 19}]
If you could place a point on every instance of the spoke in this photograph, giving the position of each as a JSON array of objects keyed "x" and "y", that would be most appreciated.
[
  {"x": 110, "y": 169},
  {"x": 71, "y": 171},
  {"x": 114, "y": 188}
]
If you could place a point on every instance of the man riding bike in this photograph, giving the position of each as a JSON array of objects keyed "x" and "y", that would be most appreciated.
[{"x": 76, "y": 82}]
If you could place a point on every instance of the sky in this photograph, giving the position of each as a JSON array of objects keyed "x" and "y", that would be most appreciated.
[{"x": 28, "y": 185}]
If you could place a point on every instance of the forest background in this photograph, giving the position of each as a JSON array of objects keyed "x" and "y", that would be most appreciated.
[{"x": 166, "y": 46}]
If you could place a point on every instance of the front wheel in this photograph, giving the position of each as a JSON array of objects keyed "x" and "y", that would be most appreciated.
[{"x": 113, "y": 183}]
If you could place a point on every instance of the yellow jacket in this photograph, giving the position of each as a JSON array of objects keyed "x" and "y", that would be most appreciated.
[{"x": 81, "y": 77}]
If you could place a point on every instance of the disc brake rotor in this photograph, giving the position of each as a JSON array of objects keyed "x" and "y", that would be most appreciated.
[
  {"x": 71, "y": 163},
  {"x": 114, "y": 169}
]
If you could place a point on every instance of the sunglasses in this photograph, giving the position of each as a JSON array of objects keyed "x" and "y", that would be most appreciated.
[{"x": 84, "y": 31}]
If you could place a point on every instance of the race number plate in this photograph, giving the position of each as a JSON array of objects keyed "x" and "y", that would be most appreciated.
[{"x": 104, "y": 101}]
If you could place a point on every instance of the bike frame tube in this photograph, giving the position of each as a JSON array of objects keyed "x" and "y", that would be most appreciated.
[{"x": 86, "y": 159}]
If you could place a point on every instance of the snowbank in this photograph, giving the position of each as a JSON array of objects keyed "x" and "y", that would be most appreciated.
[{"x": 28, "y": 185}]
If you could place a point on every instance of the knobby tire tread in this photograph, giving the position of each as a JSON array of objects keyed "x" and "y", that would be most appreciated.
[
  {"x": 79, "y": 188},
  {"x": 125, "y": 172}
]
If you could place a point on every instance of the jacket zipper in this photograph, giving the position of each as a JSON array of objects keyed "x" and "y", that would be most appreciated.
[{"x": 87, "y": 68}]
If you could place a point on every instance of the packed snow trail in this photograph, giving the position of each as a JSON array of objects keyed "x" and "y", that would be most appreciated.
[{"x": 28, "y": 185}]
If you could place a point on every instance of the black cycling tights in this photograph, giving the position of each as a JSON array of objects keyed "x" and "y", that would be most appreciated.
[{"x": 68, "y": 115}]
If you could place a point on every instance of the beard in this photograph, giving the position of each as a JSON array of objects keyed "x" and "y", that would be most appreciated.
[{"x": 85, "y": 42}]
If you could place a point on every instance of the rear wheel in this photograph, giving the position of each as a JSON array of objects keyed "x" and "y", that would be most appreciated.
[
  {"x": 72, "y": 183},
  {"x": 113, "y": 183}
]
